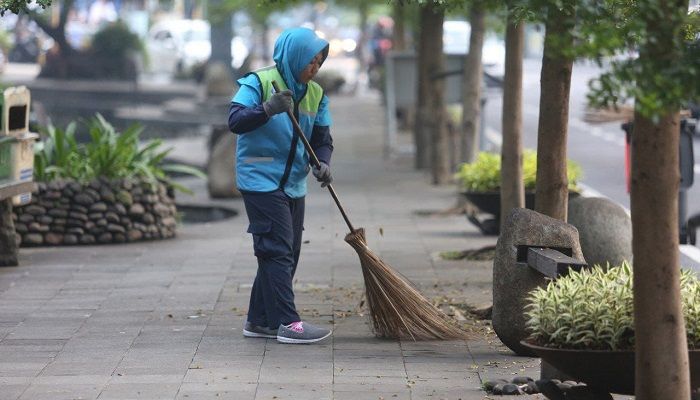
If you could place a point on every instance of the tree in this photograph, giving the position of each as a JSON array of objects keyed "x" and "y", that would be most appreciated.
[
  {"x": 512, "y": 187},
  {"x": 430, "y": 130},
  {"x": 471, "y": 84},
  {"x": 664, "y": 76},
  {"x": 16, "y": 6},
  {"x": 551, "y": 191}
]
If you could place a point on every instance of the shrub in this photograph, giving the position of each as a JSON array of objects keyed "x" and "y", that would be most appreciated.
[
  {"x": 114, "y": 47},
  {"x": 592, "y": 309},
  {"x": 484, "y": 174},
  {"x": 108, "y": 154}
]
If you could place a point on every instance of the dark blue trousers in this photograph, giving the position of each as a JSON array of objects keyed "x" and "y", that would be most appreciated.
[{"x": 276, "y": 222}]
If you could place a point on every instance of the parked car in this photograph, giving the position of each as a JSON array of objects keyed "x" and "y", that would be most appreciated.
[
  {"x": 455, "y": 40},
  {"x": 178, "y": 46}
]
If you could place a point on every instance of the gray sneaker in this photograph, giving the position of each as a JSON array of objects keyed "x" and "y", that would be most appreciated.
[
  {"x": 255, "y": 331},
  {"x": 301, "y": 332}
]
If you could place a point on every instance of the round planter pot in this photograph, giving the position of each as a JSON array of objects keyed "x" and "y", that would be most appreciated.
[
  {"x": 611, "y": 371},
  {"x": 99, "y": 212}
]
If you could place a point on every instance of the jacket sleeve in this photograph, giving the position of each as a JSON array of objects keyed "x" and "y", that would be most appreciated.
[
  {"x": 246, "y": 112},
  {"x": 322, "y": 143},
  {"x": 243, "y": 119}
]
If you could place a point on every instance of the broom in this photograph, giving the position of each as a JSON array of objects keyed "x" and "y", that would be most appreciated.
[{"x": 397, "y": 309}]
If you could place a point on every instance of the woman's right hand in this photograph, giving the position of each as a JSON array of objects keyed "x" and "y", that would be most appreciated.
[{"x": 278, "y": 103}]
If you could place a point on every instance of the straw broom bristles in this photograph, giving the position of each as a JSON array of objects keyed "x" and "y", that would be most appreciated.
[{"x": 397, "y": 309}]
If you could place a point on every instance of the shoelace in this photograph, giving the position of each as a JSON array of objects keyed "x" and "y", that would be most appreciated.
[{"x": 296, "y": 327}]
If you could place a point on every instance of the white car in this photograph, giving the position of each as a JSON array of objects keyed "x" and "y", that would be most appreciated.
[
  {"x": 177, "y": 46},
  {"x": 455, "y": 40}
]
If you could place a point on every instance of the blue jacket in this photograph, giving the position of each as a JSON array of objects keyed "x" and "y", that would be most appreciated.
[{"x": 269, "y": 155}]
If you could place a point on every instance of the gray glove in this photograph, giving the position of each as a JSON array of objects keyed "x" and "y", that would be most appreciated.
[
  {"x": 278, "y": 103},
  {"x": 323, "y": 174}
]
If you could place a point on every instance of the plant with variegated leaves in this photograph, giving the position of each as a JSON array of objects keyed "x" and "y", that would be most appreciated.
[{"x": 592, "y": 309}]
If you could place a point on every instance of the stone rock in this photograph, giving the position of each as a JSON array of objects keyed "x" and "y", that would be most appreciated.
[
  {"x": 37, "y": 227},
  {"x": 83, "y": 199},
  {"x": 101, "y": 222},
  {"x": 136, "y": 209},
  {"x": 94, "y": 195},
  {"x": 161, "y": 209},
  {"x": 34, "y": 210},
  {"x": 112, "y": 217},
  {"x": 95, "y": 216},
  {"x": 127, "y": 184},
  {"x": 221, "y": 168},
  {"x": 21, "y": 227},
  {"x": 78, "y": 208},
  {"x": 95, "y": 184},
  {"x": 70, "y": 239},
  {"x": 9, "y": 250},
  {"x": 134, "y": 235},
  {"x": 498, "y": 389},
  {"x": 26, "y": 218},
  {"x": 98, "y": 207},
  {"x": 124, "y": 197},
  {"x": 120, "y": 209},
  {"x": 59, "y": 221},
  {"x": 76, "y": 231},
  {"x": 105, "y": 238},
  {"x": 58, "y": 213},
  {"x": 114, "y": 228},
  {"x": 45, "y": 220},
  {"x": 72, "y": 222},
  {"x": 512, "y": 281},
  {"x": 87, "y": 239},
  {"x": 52, "y": 195},
  {"x": 148, "y": 218},
  {"x": 119, "y": 238},
  {"x": 522, "y": 380},
  {"x": 74, "y": 186},
  {"x": 78, "y": 215},
  {"x": 489, "y": 385},
  {"x": 107, "y": 194},
  {"x": 605, "y": 230},
  {"x": 531, "y": 388},
  {"x": 511, "y": 389},
  {"x": 33, "y": 239},
  {"x": 53, "y": 239}
]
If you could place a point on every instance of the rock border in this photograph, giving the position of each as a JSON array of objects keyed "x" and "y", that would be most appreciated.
[{"x": 66, "y": 212}]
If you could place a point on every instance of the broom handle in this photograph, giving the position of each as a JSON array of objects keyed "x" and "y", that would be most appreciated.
[{"x": 314, "y": 160}]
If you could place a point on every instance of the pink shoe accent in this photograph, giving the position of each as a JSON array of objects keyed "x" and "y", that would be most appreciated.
[{"x": 296, "y": 326}]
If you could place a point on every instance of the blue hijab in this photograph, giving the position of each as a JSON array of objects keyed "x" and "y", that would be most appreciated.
[{"x": 294, "y": 50}]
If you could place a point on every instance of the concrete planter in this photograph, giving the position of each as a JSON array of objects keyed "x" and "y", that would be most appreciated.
[{"x": 103, "y": 211}]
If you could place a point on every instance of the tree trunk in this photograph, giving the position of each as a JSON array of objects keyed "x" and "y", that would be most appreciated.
[
  {"x": 661, "y": 347},
  {"x": 660, "y": 338},
  {"x": 433, "y": 62},
  {"x": 363, "y": 9},
  {"x": 552, "y": 191},
  {"x": 399, "y": 32},
  {"x": 221, "y": 34},
  {"x": 471, "y": 86},
  {"x": 420, "y": 129},
  {"x": 8, "y": 244},
  {"x": 266, "y": 57},
  {"x": 512, "y": 189}
]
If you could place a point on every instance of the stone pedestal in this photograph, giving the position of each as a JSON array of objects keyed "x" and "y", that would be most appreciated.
[
  {"x": 513, "y": 279},
  {"x": 9, "y": 250},
  {"x": 604, "y": 228},
  {"x": 221, "y": 168}
]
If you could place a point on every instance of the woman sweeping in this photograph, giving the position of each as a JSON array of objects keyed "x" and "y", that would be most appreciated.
[{"x": 271, "y": 171}]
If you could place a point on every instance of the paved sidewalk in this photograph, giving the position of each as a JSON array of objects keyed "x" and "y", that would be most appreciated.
[{"x": 162, "y": 320}]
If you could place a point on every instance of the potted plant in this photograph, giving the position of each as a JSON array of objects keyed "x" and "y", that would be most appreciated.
[
  {"x": 582, "y": 324},
  {"x": 110, "y": 189},
  {"x": 480, "y": 184}
]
